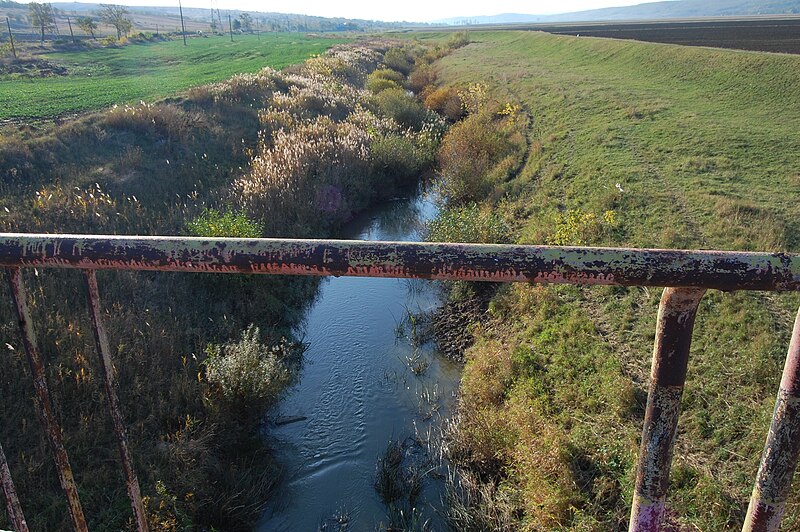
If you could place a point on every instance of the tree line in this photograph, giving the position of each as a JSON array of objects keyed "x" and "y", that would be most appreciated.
[{"x": 43, "y": 17}]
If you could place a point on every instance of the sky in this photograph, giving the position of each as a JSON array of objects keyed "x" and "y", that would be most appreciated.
[{"x": 393, "y": 10}]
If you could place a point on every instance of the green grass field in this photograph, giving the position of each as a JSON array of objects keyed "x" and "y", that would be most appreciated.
[
  {"x": 691, "y": 148},
  {"x": 102, "y": 77}
]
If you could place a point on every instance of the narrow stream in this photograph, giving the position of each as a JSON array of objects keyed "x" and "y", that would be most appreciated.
[{"x": 357, "y": 390}]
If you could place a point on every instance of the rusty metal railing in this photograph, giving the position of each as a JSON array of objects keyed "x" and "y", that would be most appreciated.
[{"x": 685, "y": 274}]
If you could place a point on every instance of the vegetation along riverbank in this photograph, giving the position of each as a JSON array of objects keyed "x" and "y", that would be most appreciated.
[
  {"x": 602, "y": 142},
  {"x": 199, "y": 358}
]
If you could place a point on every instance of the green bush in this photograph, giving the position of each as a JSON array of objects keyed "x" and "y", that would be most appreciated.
[
  {"x": 402, "y": 107},
  {"x": 395, "y": 156},
  {"x": 467, "y": 155},
  {"x": 388, "y": 74},
  {"x": 458, "y": 40},
  {"x": 213, "y": 223},
  {"x": 376, "y": 85},
  {"x": 398, "y": 59},
  {"x": 478, "y": 153}
]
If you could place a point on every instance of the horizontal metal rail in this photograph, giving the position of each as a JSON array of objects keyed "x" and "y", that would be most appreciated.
[
  {"x": 471, "y": 262},
  {"x": 686, "y": 274}
]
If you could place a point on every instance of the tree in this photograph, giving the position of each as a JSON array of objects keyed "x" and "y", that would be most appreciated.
[
  {"x": 88, "y": 25},
  {"x": 41, "y": 16},
  {"x": 116, "y": 16},
  {"x": 246, "y": 22}
]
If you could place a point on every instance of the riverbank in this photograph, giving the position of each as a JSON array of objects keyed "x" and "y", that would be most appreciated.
[{"x": 628, "y": 144}]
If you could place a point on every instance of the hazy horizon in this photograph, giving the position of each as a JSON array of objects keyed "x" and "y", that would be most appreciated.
[{"x": 408, "y": 11}]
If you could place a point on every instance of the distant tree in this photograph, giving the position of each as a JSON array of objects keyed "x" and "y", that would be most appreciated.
[
  {"x": 41, "y": 16},
  {"x": 246, "y": 22},
  {"x": 88, "y": 25},
  {"x": 237, "y": 24},
  {"x": 116, "y": 16}
]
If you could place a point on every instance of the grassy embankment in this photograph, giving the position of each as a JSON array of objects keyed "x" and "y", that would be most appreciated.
[
  {"x": 638, "y": 145},
  {"x": 102, "y": 77},
  {"x": 292, "y": 153}
]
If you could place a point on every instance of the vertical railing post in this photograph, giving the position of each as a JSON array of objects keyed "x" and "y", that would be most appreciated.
[
  {"x": 43, "y": 401},
  {"x": 104, "y": 354},
  {"x": 779, "y": 459},
  {"x": 12, "y": 501},
  {"x": 676, "y": 315}
]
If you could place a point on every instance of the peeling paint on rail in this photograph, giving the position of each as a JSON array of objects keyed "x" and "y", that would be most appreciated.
[
  {"x": 472, "y": 262},
  {"x": 686, "y": 273}
]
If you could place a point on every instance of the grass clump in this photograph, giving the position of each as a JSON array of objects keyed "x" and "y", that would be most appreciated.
[
  {"x": 213, "y": 223},
  {"x": 469, "y": 223}
]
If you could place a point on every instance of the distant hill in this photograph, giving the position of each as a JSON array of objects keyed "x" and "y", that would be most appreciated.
[{"x": 655, "y": 10}]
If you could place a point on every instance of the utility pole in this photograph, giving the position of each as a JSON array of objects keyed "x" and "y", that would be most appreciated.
[
  {"x": 258, "y": 34},
  {"x": 70, "y": 31},
  {"x": 11, "y": 36},
  {"x": 230, "y": 26},
  {"x": 156, "y": 29},
  {"x": 183, "y": 28}
]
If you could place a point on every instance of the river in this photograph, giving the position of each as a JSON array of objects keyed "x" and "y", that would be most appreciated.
[{"x": 357, "y": 390}]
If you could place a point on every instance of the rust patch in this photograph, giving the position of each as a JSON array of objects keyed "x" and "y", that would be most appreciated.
[{"x": 470, "y": 262}]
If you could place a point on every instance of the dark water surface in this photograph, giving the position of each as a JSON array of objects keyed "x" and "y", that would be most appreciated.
[{"x": 357, "y": 389}]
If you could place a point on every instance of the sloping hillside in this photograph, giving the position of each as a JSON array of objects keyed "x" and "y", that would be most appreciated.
[{"x": 644, "y": 145}]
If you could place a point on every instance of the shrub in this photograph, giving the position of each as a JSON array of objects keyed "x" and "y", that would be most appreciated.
[
  {"x": 388, "y": 74},
  {"x": 398, "y": 59},
  {"x": 421, "y": 77},
  {"x": 402, "y": 107},
  {"x": 477, "y": 153},
  {"x": 394, "y": 156},
  {"x": 474, "y": 98},
  {"x": 376, "y": 85},
  {"x": 447, "y": 102},
  {"x": 458, "y": 40},
  {"x": 212, "y": 223},
  {"x": 247, "y": 376}
]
